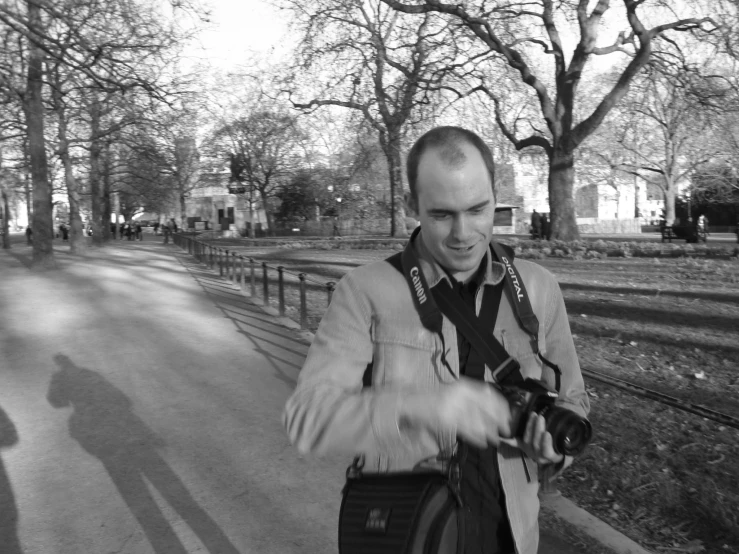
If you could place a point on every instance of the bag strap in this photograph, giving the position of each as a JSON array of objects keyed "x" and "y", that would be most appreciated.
[
  {"x": 431, "y": 304},
  {"x": 463, "y": 317},
  {"x": 431, "y": 314}
]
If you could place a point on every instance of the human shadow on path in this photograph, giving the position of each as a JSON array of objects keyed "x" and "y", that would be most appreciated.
[
  {"x": 9, "y": 542},
  {"x": 106, "y": 427}
]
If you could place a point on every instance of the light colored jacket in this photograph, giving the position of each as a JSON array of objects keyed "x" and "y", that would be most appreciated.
[{"x": 372, "y": 320}]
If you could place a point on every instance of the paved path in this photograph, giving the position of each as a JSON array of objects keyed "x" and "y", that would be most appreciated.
[{"x": 140, "y": 402}]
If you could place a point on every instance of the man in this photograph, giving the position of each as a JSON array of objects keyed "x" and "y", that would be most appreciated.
[
  {"x": 421, "y": 402},
  {"x": 546, "y": 227},
  {"x": 536, "y": 225}
]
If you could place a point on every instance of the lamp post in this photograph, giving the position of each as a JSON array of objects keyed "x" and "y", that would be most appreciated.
[{"x": 338, "y": 214}]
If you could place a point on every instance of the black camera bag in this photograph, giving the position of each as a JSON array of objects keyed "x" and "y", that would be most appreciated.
[{"x": 400, "y": 513}]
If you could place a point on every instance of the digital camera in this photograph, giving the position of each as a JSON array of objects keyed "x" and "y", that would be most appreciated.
[{"x": 570, "y": 432}]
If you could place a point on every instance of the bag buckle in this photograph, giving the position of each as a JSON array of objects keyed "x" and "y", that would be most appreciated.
[
  {"x": 354, "y": 471},
  {"x": 454, "y": 478}
]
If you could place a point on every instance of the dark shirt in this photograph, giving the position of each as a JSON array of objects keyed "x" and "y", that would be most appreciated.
[{"x": 487, "y": 530}]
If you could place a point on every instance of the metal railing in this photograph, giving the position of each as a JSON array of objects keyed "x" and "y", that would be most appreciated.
[
  {"x": 242, "y": 270},
  {"x": 232, "y": 266}
]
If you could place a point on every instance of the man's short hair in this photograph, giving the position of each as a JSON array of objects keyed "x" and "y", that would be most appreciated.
[{"x": 447, "y": 141}]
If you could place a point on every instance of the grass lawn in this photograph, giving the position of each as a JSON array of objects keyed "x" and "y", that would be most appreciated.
[{"x": 666, "y": 478}]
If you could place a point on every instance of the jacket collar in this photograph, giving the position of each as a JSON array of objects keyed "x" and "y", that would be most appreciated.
[{"x": 434, "y": 273}]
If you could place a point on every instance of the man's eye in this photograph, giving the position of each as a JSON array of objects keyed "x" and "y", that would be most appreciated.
[{"x": 439, "y": 217}]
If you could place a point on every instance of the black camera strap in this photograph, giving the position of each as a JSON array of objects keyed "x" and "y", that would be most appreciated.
[
  {"x": 519, "y": 298},
  {"x": 430, "y": 305}
]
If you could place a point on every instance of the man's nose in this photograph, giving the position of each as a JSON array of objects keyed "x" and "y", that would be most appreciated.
[{"x": 460, "y": 227}]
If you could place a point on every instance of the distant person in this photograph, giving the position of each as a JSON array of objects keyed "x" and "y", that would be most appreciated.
[
  {"x": 536, "y": 225},
  {"x": 166, "y": 232},
  {"x": 156, "y": 228},
  {"x": 138, "y": 231},
  {"x": 337, "y": 232},
  {"x": 29, "y": 235},
  {"x": 65, "y": 232},
  {"x": 546, "y": 228},
  {"x": 172, "y": 225}
]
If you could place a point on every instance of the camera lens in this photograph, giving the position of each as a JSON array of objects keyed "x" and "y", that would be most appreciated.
[{"x": 570, "y": 432}]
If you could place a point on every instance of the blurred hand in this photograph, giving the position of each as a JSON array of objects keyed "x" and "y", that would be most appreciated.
[
  {"x": 537, "y": 442},
  {"x": 477, "y": 412}
]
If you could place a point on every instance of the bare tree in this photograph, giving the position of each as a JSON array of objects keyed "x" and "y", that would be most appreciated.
[
  {"x": 117, "y": 46},
  {"x": 370, "y": 60},
  {"x": 263, "y": 149},
  {"x": 669, "y": 126},
  {"x": 519, "y": 31}
]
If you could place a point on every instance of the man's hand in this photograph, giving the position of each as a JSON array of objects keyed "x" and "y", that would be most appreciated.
[
  {"x": 473, "y": 410},
  {"x": 537, "y": 442}
]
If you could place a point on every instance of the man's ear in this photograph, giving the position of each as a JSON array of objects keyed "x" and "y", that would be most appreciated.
[{"x": 411, "y": 205}]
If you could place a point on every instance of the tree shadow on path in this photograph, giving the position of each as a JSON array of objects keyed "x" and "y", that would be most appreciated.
[
  {"x": 105, "y": 426},
  {"x": 9, "y": 542}
]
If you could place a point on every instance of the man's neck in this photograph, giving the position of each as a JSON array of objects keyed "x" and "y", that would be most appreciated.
[{"x": 467, "y": 277}]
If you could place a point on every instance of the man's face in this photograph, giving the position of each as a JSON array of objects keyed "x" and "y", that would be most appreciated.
[{"x": 456, "y": 207}]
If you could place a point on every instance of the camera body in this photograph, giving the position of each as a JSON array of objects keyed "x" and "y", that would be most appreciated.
[{"x": 570, "y": 432}]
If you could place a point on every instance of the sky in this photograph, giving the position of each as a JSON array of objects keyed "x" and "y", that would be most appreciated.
[{"x": 240, "y": 29}]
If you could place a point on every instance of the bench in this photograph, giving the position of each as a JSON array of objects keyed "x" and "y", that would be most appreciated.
[
  {"x": 689, "y": 233},
  {"x": 667, "y": 232}
]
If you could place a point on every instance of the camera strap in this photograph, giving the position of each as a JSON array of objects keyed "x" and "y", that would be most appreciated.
[
  {"x": 519, "y": 298},
  {"x": 430, "y": 305}
]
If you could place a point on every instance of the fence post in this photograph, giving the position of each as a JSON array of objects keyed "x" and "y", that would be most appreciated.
[
  {"x": 303, "y": 307},
  {"x": 233, "y": 267},
  {"x": 330, "y": 291},
  {"x": 242, "y": 280},
  {"x": 252, "y": 264},
  {"x": 265, "y": 283},
  {"x": 220, "y": 262},
  {"x": 210, "y": 256},
  {"x": 281, "y": 288}
]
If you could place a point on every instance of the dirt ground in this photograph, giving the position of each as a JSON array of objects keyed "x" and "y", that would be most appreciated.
[{"x": 666, "y": 478}]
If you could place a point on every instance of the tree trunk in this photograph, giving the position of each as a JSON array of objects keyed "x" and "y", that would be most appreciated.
[
  {"x": 561, "y": 198},
  {"x": 183, "y": 212},
  {"x": 395, "y": 170},
  {"x": 252, "y": 231},
  {"x": 28, "y": 195},
  {"x": 669, "y": 201},
  {"x": 270, "y": 222},
  {"x": 6, "y": 221},
  {"x": 77, "y": 241},
  {"x": 33, "y": 106},
  {"x": 95, "y": 172},
  {"x": 107, "y": 207},
  {"x": 116, "y": 210}
]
